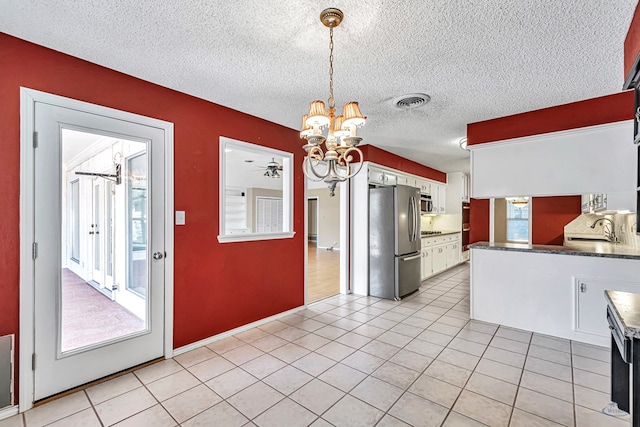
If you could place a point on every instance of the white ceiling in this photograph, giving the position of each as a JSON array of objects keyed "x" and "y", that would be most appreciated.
[{"x": 477, "y": 59}]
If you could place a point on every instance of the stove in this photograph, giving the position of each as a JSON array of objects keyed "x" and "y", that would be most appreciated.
[{"x": 430, "y": 233}]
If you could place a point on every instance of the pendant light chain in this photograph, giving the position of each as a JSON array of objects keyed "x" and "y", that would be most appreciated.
[
  {"x": 335, "y": 154},
  {"x": 332, "y": 102}
]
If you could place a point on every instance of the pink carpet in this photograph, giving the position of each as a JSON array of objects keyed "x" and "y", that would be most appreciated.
[{"x": 89, "y": 317}]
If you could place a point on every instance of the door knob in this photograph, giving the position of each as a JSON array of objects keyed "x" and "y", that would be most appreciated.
[{"x": 158, "y": 255}]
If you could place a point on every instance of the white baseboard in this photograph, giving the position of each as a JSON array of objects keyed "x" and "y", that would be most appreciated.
[
  {"x": 9, "y": 411},
  {"x": 214, "y": 338},
  {"x": 327, "y": 248}
]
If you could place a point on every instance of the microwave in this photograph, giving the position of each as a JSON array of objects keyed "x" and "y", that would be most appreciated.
[{"x": 426, "y": 204}]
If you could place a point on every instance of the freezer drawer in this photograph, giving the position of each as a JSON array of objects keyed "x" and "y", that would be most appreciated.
[{"x": 407, "y": 274}]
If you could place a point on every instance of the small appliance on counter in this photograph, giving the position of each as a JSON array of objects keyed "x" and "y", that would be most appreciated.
[{"x": 394, "y": 241}]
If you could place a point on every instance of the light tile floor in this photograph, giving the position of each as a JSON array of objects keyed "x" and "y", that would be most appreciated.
[{"x": 360, "y": 361}]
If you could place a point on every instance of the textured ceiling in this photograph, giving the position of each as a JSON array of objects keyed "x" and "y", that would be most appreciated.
[{"x": 477, "y": 59}]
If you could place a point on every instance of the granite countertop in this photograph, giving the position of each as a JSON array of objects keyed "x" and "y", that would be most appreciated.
[
  {"x": 626, "y": 307},
  {"x": 442, "y": 233},
  {"x": 594, "y": 249}
]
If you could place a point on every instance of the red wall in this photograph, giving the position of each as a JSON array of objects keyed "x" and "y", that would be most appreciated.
[
  {"x": 217, "y": 286},
  {"x": 589, "y": 112},
  {"x": 479, "y": 220},
  {"x": 390, "y": 160},
  {"x": 632, "y": 42},
  {"x": 549, "y": 215}
]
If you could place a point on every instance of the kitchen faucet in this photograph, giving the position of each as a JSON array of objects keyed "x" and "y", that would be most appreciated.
[{"x": 611, "y": 234}]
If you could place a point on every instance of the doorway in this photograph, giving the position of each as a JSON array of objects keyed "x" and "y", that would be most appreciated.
[
  {"x": 96, "y": 292},
  {"x": 323, "y": 242}
]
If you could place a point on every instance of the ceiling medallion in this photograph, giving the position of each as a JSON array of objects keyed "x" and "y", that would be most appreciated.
[{"x": 333, "y": 164}]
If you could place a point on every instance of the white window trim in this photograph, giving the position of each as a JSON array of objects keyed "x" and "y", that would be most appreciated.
[{"x": 287, "y": 192}]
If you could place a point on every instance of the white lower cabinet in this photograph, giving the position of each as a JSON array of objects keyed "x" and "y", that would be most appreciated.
[
  {"x": 439, "y": 253},
  {"x": 453, "y": 253},
  {"x": 427, "y": 262},
  {"x": 439, "y": 258}
]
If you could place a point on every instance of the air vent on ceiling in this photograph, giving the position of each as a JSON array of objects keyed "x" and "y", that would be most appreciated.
[{"x": 411, "y": 100}]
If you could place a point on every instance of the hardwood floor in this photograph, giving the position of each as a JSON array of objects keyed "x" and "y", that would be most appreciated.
[{"x": 323, "y": 273}]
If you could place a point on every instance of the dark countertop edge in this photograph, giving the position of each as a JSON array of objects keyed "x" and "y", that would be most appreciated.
[
  {"x": 444, "y": 233},
  {"x": 629, "y": 331},
  {"x": 551, "y": 249}
]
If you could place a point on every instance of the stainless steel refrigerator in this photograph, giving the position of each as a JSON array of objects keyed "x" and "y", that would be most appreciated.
[{"x": 394, "y": 241}]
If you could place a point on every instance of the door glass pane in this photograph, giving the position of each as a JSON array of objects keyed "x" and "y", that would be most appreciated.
[
  {"x": 97, "y": 252},
  {"x": 75, "y": 220},
  {"x": 109, "y": 228},
  {"x": 137, "y": 222},
  {"x": 106, "y": 206}
]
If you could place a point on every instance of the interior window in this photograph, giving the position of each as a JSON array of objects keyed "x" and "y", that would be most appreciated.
[
  {"x": 518, "y": 219},
  {"x": 256, "y": 192}
]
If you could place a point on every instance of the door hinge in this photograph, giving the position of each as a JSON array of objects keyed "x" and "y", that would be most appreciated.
[
  {"x": 35, "y": 139},
  {"x": 33, "y": 361},
  {"x": 34, "y": 250}
]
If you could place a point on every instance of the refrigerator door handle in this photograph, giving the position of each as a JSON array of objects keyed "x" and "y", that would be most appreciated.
[
  {"x": 411, "y": 258},
  {"x": 416, "y": 216},
  {"x": 411, "y": 210},
  {"x": 415, "y": 219}
]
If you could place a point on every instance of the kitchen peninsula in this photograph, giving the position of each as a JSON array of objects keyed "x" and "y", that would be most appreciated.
[{"x": 553, "y": 290}]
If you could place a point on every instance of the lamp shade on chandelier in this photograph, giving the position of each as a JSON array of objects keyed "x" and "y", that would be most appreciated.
[{"x": 333, "y": 164}]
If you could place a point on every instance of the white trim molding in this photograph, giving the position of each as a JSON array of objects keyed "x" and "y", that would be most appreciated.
[
  {"x": 189, "y": 347},
  {"x": 9, "y": 411}
]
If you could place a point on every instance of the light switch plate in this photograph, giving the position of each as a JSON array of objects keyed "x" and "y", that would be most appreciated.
[{"x": 180, "y": 218}]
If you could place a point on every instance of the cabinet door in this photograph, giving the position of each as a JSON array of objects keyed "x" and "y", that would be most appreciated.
[
  {"x": 453, "y": 253},
  {"x": 442, "y": 198},
  {"x": 439, "y": 258},
  {"x": 376, "y": 176},
  {"x": 435, "y": 197},
  {"x": 585, "y": 203},
  {"x": 591, "y": 306},
  {"x": 390, "y": 179},
  {"x": 427, "y": 262},
  {"x": 402, "y": 180},
  {"x": 465, "y": 188},
  {"x": 424, "y": 186}
]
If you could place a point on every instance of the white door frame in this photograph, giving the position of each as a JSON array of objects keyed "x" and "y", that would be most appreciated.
[
  {"x": 28, "y": 98},
  {"x": 344, "y": 239}
]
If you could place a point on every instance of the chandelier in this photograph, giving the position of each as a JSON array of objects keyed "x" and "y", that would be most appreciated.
[
  {"x": 333, "y": 164},
  {"x": 518, "y": 202}
]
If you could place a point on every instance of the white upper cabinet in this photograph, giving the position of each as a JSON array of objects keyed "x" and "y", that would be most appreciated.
[
  {"x": 439, "y": 197},
  {"x": 381, "y": 176},
  {"x": 457, "y": 192},
  {"x": 594, "y": 159},
  {"x": 423, "y": 185}
]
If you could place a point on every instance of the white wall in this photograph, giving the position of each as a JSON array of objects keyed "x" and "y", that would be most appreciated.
[
  {"x": 328, "y": 226},
  {"x": 536, "y": 291},
  {"x": 595, "y": 159}
]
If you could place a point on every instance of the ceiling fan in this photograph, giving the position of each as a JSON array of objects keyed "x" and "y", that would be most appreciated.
[{"x": 272, "y": 169}]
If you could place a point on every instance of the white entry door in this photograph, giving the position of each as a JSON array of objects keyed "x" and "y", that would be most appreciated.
[{"x": 68, "y": 255}]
